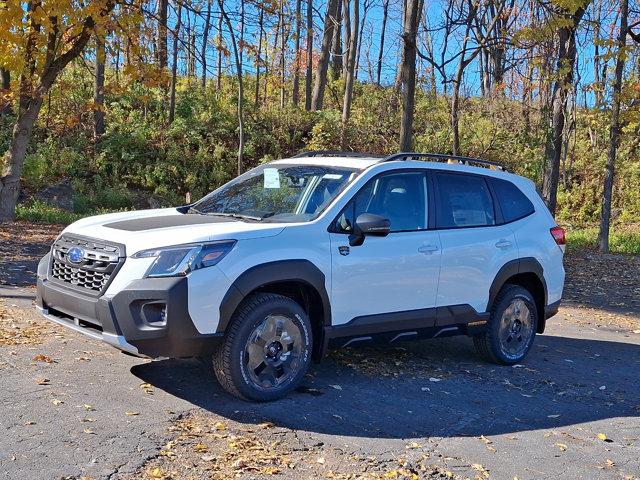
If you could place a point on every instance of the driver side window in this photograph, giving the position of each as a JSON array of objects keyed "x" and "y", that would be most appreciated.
[{"x": 399, "y": 197}]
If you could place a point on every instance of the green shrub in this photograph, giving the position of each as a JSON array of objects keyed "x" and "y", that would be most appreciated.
[
  {"x": 41, "y": 212},
  {"x": 620, "y": 240}
]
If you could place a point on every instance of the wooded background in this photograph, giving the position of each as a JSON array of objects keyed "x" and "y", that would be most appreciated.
[{"x": 157, "y": 101}]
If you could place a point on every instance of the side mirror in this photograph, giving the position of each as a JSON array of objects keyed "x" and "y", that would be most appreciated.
[{"x": 368, "y": 224}]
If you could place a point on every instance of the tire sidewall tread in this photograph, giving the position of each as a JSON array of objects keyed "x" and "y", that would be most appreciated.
[
  {"x": 488, "y": 343},
  {"x": 227, "y": 360}
]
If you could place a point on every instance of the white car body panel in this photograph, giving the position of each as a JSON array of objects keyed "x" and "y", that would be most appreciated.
[
  {"x": 384, "y": 275},
  {"x": 470, "y": 262}
]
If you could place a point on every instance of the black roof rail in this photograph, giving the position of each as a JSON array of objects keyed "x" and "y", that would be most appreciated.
[
  {"x": 334, "y": 153},
  {"x": 441, "y": 157}
]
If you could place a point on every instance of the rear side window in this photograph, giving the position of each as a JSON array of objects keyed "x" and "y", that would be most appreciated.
[
  {"x": 513, "y": 203},
  {"x": 463, "y": 201}
]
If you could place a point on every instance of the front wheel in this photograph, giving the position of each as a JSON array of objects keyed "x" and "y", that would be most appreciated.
[
  {"x": 267, "y": 348},
  {"x": 512, "y": 327}
]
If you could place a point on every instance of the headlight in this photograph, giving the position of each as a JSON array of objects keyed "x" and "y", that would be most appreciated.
[{"x": 182, "y": 259}]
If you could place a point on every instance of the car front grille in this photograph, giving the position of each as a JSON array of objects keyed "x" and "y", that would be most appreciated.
[{"x": 95, "y": 268}]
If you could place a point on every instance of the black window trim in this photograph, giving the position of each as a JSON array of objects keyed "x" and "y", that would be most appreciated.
[
  {"x": 432, "y": 199},
  {"x": 424, "y": 171}
]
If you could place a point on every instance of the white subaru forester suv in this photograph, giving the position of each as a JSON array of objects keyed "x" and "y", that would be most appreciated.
[{"x": 322, "y": 249}]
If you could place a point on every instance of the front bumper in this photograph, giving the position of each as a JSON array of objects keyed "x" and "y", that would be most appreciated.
[{"x": 131, "y": 319}]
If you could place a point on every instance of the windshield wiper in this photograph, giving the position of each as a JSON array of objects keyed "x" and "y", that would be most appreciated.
[{"x": 233, "y": 215}]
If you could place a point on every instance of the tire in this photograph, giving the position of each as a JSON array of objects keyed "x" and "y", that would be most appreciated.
[
  {"x": 271, "y": 329},
  {"x": 512, "y": 327}
]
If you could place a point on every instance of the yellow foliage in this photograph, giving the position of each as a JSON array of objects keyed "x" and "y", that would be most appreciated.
[{"x": 28, "y": 28}]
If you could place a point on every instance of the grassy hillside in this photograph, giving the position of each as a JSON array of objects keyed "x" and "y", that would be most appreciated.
[{"x": 141, "y": 157}]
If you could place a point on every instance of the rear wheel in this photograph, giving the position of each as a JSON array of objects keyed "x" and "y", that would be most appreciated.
[
  {"x": 512, "y": 327},
  {"x": 267, "y": 349}
]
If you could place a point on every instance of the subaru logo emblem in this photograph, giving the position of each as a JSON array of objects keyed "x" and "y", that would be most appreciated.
[{"x": 75, "y": 254}]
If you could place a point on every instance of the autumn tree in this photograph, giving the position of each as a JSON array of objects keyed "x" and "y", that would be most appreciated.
[
  {"x": 614, "y": 129},
  {"x": 38, "y": 39},
  {"x": 567, "y": 20},
  {"x": 352, "y": 24},
  {"x": 408, "y": 72},
  {"x": 320, "y": 81}
]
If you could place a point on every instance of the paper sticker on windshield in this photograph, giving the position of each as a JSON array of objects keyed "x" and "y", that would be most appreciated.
[
  {"x": 271, "y": 178},
  {"x": 332, "y": 176}
]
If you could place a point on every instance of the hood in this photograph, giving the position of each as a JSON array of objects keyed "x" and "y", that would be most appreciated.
[{"x": 140, "y": 230}]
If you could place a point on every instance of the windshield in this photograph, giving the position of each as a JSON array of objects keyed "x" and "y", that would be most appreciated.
[{"x": 278, "y": 193}]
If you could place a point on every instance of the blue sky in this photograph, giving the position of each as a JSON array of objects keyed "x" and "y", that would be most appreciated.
[{"x": 371, "y": 40}]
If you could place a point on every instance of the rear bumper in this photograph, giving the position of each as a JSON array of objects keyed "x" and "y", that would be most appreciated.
[{"x": 148, "y": 318}]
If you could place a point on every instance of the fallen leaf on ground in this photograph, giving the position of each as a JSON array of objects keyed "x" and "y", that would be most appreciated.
[
  {"x": 219, "y": 426},
  {"x": 131, "y": 414},
  {"x": 561, "y": 446},
  {"x": 413, "y": 445},
  {"x": 42, "y": 381},
  {"x": 42, "y": 358},
  {"x": 156, "y": 473}
]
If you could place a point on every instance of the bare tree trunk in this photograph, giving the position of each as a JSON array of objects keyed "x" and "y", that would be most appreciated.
[
  {"x": 258, "y": 56},
  {"x": 365, "y": 10},
  {"x": 219, "y": 76},
  {"x": 203, "y": 51},
  {"x": 564, "y": 67},
  {"x": 295, "y": 94},
  {"x": 309, "y": 70},
  {"x": 5, "y": 77},
  {"x": 242, "y": 28},
  {"x": 98, "y": 89},
  {"x": 351, "y": 67},
  {"x": 336, "y": 45},
  {"x": 597, "y": 25},
  {"x": 236, "y": 55},
  {"x": 174, "y": 65},
  {"x": 455, "y": 95},
  {"x": 325, "y": 52},
  {"x": 408, "y": 74},
  {"x": 161, "y": 40},
  {"x": 614, "y": 133},
  {"x": 385, "y": 15},
  {"x": 283, "y": 64}
]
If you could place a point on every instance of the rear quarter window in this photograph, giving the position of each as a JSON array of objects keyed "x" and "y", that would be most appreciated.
[{"x": 513, "y": 203}]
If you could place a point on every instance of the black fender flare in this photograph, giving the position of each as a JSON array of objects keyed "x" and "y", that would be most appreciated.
[
  {"x": 273, "y": 272},
  {"x": 514, "y": 267}
]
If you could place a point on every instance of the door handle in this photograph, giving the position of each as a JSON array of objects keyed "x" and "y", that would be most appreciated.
[
  {"x": 503, "y": 244},
  {"x": 428, "y": 249}
]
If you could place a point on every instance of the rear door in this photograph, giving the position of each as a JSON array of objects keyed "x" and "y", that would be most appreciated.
[{"x": 474, "y": 244}]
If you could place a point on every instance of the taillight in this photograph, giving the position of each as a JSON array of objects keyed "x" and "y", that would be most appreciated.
[{"x": 558, "y": 235}]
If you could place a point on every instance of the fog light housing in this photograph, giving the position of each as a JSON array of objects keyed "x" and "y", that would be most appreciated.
[{"x": 154, "y": 314}]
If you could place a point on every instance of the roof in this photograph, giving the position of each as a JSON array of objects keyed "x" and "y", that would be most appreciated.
[
  {"x": 360, "y": 162},
  {"x": 363, "y": 160}
]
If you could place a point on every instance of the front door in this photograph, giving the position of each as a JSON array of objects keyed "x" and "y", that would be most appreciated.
[{"x": 395, "y": 275}]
